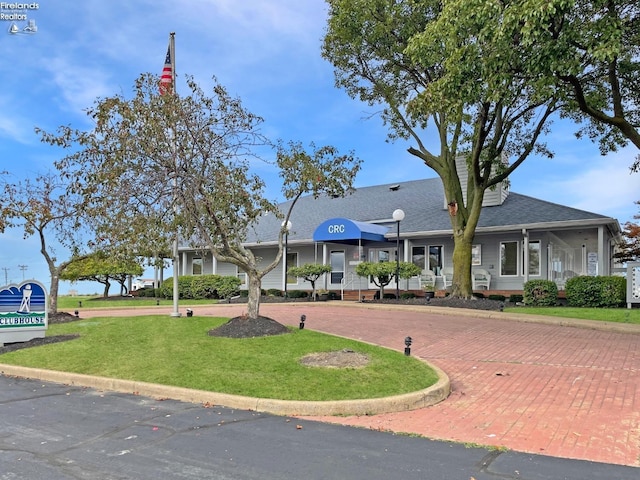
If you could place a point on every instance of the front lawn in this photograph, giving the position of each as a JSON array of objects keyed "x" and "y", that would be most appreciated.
[
  {"x": 179, "y": 352},
  {"x": 68, "y": 303},
  {"x": 621, "y": 315}
]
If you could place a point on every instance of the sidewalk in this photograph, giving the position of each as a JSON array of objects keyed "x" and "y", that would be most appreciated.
[{"x": 544, "y": 388}]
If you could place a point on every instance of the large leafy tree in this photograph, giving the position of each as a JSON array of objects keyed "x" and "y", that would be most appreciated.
[
  {"x": 103, "y": 268},
  {"x": 419, "y": 61},
  {"x": 590, "y": 49},
  {"x": 155, "y": 167},
  {"x": 43, "y": 207}
]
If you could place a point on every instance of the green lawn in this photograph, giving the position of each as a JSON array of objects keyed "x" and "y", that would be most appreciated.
[
  {"x": 171, "y": 351},
  {"x": 68, "y": 303},
  {"x": 621, "y": 315}
]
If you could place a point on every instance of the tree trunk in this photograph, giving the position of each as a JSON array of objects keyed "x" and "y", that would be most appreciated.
[
  {"x": 107, "y": 286},
  {"x": 461, "y": 286},
  {"x": 253, "y": 302},
  {"x": 53, "y": 292},
  {"x": 464, "y": 220}
]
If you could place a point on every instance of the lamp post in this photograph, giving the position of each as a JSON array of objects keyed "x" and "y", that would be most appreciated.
[
  {"x": 287, "y": 227},
  {"x": 398, "y": 216}
]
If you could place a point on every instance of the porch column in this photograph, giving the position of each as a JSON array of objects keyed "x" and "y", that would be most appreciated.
[
  {"x": 602, "y": 270},
  {"x": 325, "y": 261},
  {"x": 525, "y": 251},
  {"x": 184, "y": 263},
  {"x": 405, "y": 256}
]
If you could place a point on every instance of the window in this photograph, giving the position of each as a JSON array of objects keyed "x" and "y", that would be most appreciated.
[
  {"x": 243, "y": 279},
  {"x": 476, "y": 255},
  {"x": 292, "y": 261},
  {"x": 508, "y": 258},
  {"x": 196, "y": 266},
  {"x": 534, "y": 258},
  {"x": 378, "y": 256},
  {"x": 418, "y": 257},
  {"x": 337, "y": 266},
  {"x": 435, "y": 259}
]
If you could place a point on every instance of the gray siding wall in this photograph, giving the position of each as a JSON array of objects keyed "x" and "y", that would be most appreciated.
[{"x": 579, "y": 242}]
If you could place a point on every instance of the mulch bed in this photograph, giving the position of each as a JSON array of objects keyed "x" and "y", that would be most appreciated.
[
  {"x": 472, "y": 303},
  {"x": 242, "y": 327}
]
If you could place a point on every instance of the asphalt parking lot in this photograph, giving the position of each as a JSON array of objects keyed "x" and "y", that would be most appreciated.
[
  {"x": 61, "y": 432},
  {"x": 546, "y": 387}
]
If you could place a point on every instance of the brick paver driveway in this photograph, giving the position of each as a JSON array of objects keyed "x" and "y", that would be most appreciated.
[{"x": 565, "y": 391}]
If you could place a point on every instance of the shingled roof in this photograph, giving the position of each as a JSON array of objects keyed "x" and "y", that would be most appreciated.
[{"x": 425, "y": 213}]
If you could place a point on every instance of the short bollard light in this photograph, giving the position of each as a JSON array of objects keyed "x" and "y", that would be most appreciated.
[
  {"x": 79, "y": 303},
  {"x": 407, "y": 346},
  {"x": 189, "y": 312},
  {"x": 502, "y": 307},
  {"x": 302, "y": 319},
  {"x": 158, "y": 301},
  {"x": 77, "y": 313}
]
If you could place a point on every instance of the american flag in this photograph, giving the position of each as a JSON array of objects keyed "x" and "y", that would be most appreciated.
[{"x": 166, "y": 79}]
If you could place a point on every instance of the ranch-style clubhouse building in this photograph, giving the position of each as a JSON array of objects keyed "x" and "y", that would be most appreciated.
[{"x": 519, "y": 238}]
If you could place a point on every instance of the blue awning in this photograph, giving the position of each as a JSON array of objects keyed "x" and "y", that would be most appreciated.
[{"x": 343, "y": 230}]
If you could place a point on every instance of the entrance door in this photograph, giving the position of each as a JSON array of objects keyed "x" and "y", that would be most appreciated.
[{"x": 382, "y": 255}]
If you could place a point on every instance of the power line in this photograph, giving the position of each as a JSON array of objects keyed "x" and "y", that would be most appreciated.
[
  {"x": 6, "y": 275},
  {"x": 23, "y": 268}
]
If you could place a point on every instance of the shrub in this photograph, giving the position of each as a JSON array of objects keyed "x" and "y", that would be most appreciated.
[
  {"x": 515, "y": 298},
  {"x": 274, "y": 292},
  {"x": 148, "y": 292},
  {"x": 585, "y": 291},
  {"x": 298, "y": 294},
  {"x": 227, "y": 287},
  {"x": 500, "y": 298},
  {"x": 389, "y": 295},
  {"x": 478, "y": 294},
  {"x": 406, "y": 295},
  {"x": 201, "y": 287},
  {"x": 540, "y": 293}
]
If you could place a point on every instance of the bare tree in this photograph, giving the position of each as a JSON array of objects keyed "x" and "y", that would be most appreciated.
[
  {"x": 156, "y": 166},
  {"x": 43, "y": 207}
]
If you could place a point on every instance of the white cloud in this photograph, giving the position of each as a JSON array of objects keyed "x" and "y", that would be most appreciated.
[
  {"x": 604, "y": 185},
  {"x": 79, "y": 85}
]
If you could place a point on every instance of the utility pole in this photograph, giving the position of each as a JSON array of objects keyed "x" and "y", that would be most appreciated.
[
  {"x": 6, "y": 275},
  {"x": 23, "y": 268}
]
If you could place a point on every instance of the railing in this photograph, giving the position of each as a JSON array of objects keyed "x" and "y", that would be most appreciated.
[{"x": 350, "y": 282}]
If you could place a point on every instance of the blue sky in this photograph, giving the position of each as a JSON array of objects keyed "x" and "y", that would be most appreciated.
[{"x": 267, "y": 52}]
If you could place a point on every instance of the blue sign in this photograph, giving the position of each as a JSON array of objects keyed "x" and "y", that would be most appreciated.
[
  {"x": 23, "y": 306},
  {"x": 346, "y": 230}
]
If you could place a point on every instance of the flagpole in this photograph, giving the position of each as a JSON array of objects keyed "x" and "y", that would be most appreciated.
[{"x": 176, "y": 259}]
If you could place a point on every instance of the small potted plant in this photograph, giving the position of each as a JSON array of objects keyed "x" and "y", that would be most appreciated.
[
  {"x": 429, "y": 289},
  {"x": 322, "y": 295}
]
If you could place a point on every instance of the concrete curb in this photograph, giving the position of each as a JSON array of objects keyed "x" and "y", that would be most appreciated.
[{"x": 408, "y": 401}]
